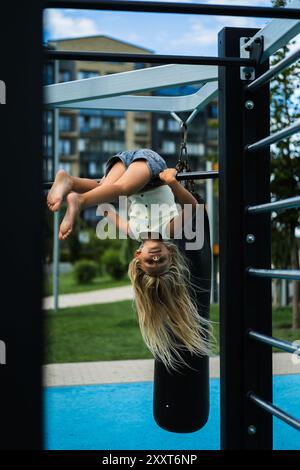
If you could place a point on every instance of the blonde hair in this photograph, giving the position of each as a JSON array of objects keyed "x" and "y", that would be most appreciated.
[{"x": 168, "y": 316}]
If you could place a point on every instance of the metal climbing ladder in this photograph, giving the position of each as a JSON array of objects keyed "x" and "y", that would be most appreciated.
[{"x": 245, "y": 245}]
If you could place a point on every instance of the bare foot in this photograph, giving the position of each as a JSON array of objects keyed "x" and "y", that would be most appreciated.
[
  {"x": 74, "y": 205},
  {"x": 60, "y": 188}
]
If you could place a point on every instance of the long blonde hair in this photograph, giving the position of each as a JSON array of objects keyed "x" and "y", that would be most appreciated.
[{"x": 168, "y": 316}]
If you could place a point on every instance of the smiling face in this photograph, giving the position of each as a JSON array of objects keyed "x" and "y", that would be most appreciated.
[{"x": 154, "y": 256}]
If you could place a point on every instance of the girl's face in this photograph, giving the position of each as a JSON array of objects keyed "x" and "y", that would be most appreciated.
[{"x": 154, "y": 256}]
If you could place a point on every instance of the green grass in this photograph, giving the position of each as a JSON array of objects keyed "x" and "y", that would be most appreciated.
[
  {"x": 68, "y": 284},
  {"x": 110, "y": 331}
]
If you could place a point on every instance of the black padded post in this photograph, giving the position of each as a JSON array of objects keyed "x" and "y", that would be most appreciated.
[{"x": 181, "y": 399}]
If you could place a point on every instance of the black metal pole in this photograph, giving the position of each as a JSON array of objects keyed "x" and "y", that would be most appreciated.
[
  {"x": 146, "y": 58},
  {"x": 21, "y": 319},
  {"x": 244, "y": 304},
  {"x": 182, "y": 8}
]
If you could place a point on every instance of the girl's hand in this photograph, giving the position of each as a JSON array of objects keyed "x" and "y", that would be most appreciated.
[{"x": 168, "y": 175}]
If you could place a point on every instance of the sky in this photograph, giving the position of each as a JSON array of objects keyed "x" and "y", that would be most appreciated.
[{"x": 161, "y": 33}]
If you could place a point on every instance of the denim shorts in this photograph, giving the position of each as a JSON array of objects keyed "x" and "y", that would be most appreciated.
[{"x": 155, "y": 162}]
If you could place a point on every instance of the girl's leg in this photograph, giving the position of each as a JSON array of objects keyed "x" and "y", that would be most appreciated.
[
  {"x": 65, "y": 183},
  {"x": 132, "y": 180}
]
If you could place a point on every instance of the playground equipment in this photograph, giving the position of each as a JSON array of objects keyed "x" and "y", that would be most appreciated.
[{"x": 239, "y": 76}]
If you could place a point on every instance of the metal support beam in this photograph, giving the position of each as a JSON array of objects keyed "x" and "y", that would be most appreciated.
[
  {"x": 275, "y": 342},
  {"x": 282, "y": 65},
  {"x": 289, "y": 203},
  {"x": 172, "y": 7},
  {"x": 277, "y": 33},
  {"x": 292, "y": 274},
  {"x": 96, "y": 56},
  {"x": 151, "y": 78},
  {"x": 198, "y": 100},
  {"x": 270, "y": 139},
  {"x": 244, "y": 303},
  {"x": 275, "y": 411}
]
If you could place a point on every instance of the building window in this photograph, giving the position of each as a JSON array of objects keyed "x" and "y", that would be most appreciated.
[
  {"x": 65, "y": 76},
  {"x": 81, "y": 145},
  {"x": 48, "y": 73},
  {"x": 92, "y": 168},
  {"x": 49, "y": 170},
  {"x": 160, "y": 124},
  {"x": 212, "y": 133},
  {"x": 173, "y": 125},
  {"x": 168, "y": 146},
  {"x": 120, "y": 124},
  {"x": 48, "y": 121},
  {"x": 95, "y": 122},
  {"x": 195, "y": 149},
  {"x": 212, "y": 110},
  {"x": 139, "y": 65},
  {"x": 113, "y": 146},
  {"x": 65, "y": 123},
  {"x": 140, "y": 127},
  {"x": 84, "y": 123},
  {"x": 48, "y": 145},
  {"x": 65, "y": 166},
  {"x": 65, "y": 146},
  {"x": 94, "y": 145},
  {"x": 82, "y": 74}
]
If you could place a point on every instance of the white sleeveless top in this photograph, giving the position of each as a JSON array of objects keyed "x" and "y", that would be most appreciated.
[{"x": 152, "y": 210}]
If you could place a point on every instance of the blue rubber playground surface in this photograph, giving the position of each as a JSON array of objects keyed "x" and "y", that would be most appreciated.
[{"x": 119, "y": 416}]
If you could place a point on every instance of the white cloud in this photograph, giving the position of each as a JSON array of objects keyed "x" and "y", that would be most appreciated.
[
  {"x": 198, "y": 33},
  {"x": 60, "y": 25}
]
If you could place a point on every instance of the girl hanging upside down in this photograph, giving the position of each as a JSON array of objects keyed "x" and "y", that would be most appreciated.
[{"x": 168, "y": 317}]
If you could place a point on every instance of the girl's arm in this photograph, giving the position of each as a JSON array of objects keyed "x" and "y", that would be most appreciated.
[
  {"x": 120, "y": 223},
  {"x": 182, "y": 196}
]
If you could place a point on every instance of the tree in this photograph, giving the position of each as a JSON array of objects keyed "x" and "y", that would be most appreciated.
[{"x": 285, "y": 166}]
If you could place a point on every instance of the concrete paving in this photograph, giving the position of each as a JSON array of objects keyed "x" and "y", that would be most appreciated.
[
  {"x": 101, "y": 296},
  {"x": 105, "y": 372}
]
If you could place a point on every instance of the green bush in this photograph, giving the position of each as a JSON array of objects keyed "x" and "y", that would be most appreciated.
[
  {"x": 113, "y": 264},
  {"x": 85, "y": 271}
]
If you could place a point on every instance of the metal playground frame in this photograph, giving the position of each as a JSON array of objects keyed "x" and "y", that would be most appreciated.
[{"x": 240, "y": 77}]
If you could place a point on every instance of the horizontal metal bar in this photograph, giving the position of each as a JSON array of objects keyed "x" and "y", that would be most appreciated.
[
  {"x": 163, "y": 104},
  {"x": 276, "y": 34},
  {"x": 275, "y": 411},
  {"x": 197, "y": 175},
  {"x": 147, "y": 58},
  {"x": 191, "y": 175},
  {"x": 182, "y": 8},
  {"x": 266, "y": 77},
  {"x": 289, "y": 203},
  {"x": 270, "y": 139},
  {"x": 124, "y": 83},
  {"x": 275, "y": 342},
  {"x": 293, "y": 274}
]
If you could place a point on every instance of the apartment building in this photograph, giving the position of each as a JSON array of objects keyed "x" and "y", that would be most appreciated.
[{"x": 87, "y": 138}]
